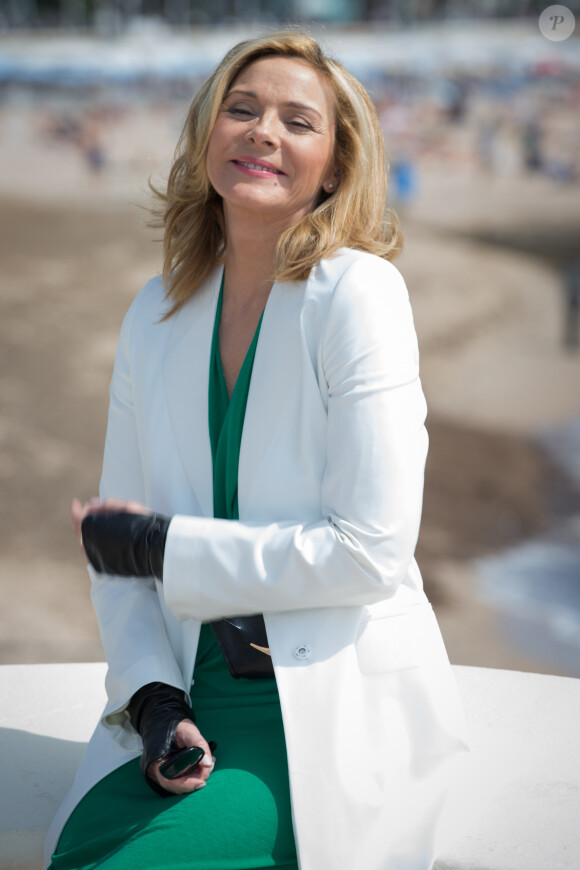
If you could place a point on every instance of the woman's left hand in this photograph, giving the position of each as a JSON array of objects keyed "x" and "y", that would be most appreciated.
[
  {"x": 79, "y": 511},
  {"x": 122, "y": 538}
]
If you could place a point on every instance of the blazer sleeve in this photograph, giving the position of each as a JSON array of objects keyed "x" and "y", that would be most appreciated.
[
  {"x": 128, "y": 610},
  {"x": 361, "y": 549}
]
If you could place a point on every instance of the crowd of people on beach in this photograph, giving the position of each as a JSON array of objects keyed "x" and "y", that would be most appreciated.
[{"x": 498, "y": 123}]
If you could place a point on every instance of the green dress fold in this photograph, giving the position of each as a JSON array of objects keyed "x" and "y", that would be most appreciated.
[{"x": 242, "y": 819}]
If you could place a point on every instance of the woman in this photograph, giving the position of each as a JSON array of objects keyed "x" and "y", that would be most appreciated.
[{"x": 266, "y": 405}]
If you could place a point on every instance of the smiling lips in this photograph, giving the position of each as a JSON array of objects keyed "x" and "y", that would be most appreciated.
[{"x": 258, "y": 168}]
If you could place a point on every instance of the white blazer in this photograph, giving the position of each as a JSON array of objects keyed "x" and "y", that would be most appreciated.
[{"x": 330, "y": 491}]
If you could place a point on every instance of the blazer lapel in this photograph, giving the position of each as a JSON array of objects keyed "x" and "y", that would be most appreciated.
[
  {"x": 276, "y": 363},
  {"x": 186, "y": 379}
]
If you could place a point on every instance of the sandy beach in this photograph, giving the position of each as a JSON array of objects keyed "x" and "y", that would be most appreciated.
[{"x": 486, "y": 289}]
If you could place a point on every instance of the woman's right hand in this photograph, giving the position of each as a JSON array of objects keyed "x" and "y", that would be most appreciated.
[
  {"x": 187, "y": 734},
  {"x": 161, "y": 715}
]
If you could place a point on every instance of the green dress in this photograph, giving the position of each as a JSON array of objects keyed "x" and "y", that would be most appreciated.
[{"x": 242, "y": 819}]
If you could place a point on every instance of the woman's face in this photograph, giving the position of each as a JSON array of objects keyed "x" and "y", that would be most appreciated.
[{"x": 271, "y": 149}]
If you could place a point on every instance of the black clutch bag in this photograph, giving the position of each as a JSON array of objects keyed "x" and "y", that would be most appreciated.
[{"x": 244, "y": 645}]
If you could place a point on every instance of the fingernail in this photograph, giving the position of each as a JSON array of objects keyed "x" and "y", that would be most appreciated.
[
  {"x": 207, "y": 761},
  {"x": 201, "y": 785}
]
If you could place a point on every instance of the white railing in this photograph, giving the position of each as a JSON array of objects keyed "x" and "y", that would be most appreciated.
[{"x": 517, "y": 808}]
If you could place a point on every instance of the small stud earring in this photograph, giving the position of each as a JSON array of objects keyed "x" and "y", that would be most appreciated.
[{"x": 330, "y": 186}]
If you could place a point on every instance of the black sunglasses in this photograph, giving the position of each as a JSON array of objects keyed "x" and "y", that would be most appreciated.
[{"x": 182, "y": 762}]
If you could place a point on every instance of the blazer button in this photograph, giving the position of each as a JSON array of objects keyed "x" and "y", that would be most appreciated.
[{"x": 302, "y": 652}]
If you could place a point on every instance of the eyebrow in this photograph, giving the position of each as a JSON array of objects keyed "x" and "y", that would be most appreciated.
[{"x": 290, "y": 104}]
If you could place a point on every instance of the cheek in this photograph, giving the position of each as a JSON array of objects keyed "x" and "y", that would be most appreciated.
[
  {"x": 212, "y": 156},
  {"x": 319, "y": 161}
]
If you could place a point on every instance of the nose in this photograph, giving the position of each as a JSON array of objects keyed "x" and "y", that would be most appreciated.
[{"x": 263, "y": 131}]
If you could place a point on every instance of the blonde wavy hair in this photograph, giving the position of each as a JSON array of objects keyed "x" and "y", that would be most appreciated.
[{"x": 354, "y": 215}]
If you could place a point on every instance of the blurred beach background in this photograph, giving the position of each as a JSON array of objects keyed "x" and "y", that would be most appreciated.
[{"x": 481, "y": 113}]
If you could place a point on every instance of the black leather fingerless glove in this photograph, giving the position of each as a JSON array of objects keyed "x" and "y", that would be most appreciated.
[
  {"x": 126, "y": 544},
  {"x": 155, "y": 711}
]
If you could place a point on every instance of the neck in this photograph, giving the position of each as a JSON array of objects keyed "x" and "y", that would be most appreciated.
[{"x": 249, "y": 259}]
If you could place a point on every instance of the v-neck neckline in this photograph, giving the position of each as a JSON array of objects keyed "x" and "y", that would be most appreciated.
[
  {"x": 248, "y": 360},
  {"x": 226, "y": 420}
]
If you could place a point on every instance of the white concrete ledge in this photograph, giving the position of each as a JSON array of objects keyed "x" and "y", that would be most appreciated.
[{"x": 518, "y": 809}]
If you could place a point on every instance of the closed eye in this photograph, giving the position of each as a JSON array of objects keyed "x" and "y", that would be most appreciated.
[
  {"x": 236, "y": 110},
  {"x": 242, "y": 113},
  {"x": 304, "y": 125}
]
